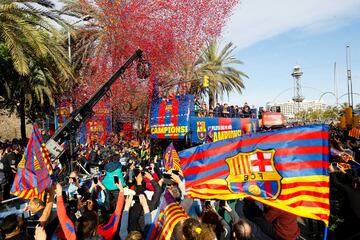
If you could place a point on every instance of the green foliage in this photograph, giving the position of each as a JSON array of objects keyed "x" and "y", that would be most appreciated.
[
  {"x": 327, "y": 114},
  {"x": 26, "y": 30},
  {"x": 33, "y": 62},
  {"x": 220, "y": 66},
  {"x": 37, "y": 88}
]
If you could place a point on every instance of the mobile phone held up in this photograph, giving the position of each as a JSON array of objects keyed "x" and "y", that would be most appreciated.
[
  {"x": 95, "y": 179},
  {"x": 167, "y": 179},
  {"x": 116, "y": 179},
  {"x": 335, "y": 166}
]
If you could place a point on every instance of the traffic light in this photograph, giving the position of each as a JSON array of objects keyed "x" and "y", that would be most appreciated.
[{"x": 206, "y": 81}]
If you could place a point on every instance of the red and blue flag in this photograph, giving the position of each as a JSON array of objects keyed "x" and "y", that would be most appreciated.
[
  {"x": 169, "y": 213},
  {"x": 171, "y": 158},
  {"x": 34, "y": 169},
  {"x": 287, "y": 169},
  {"x": 170, "y": 118}
]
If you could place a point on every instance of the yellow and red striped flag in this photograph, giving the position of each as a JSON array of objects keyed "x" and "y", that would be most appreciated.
[
  {"x": 169, "y": 214},
  {"x": 34, "y": 169},
  {"x": 354, "y": 132}
]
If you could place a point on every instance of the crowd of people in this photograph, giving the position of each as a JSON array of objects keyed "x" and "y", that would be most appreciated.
[
  {"x": 116, "y": 190},
  {"x": 227, "y": 111},
  {"x": 103, "y": 208},
  {"x": 10, "y": 156}
]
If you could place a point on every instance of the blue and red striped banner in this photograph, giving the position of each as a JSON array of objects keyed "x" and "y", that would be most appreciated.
[
  {"x": 34, "y": 170},
  {"x": 216, "y": 129},
  {"x": 170, "y": 118},
  {"x": 287, "y": 169}
]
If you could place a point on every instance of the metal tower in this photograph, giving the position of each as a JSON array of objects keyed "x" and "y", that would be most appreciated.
[{"x": 297, "y": 73}]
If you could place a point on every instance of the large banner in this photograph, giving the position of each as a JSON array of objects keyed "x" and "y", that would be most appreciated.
[
  {"x": 127, "y": 130},
  {"x": 170, "y": 118},
  {"x": 63, "y": 109},
  {"x": 287, "y": 169},
  {"x": 99, "y": 126},
  {"x": 221, "y": 128}
]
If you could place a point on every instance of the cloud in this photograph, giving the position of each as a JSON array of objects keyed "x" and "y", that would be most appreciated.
[{"x": 257, "y": 20}]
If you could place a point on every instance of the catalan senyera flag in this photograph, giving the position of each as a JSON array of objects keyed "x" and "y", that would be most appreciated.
[
  {"x": 354, "y": 132},
  {"x": 34, "y": 169},
  {"x": 171, "y": 158},
  {"x": 169, "y": 213},
  {"x": 286, "y": 169}
]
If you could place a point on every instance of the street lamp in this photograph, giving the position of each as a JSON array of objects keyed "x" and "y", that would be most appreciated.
[
  {"x": 72, "y": 136},
  {"x": 85, "y": 18},
  {"x": 349, "y": 81}
]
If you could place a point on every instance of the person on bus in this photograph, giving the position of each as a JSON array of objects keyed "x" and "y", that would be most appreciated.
[{"x": 246, "y": 110}]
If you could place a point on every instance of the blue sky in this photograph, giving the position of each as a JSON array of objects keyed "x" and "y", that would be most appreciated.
[{"x": 273, "y": 36}]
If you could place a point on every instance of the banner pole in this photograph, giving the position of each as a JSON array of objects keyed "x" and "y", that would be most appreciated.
[{"x": 325, "y": 233}]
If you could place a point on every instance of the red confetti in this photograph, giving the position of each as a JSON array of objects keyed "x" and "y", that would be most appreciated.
[{"x": 169, "y": 32}]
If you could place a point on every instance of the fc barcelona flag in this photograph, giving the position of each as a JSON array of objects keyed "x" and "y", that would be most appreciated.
[
  {"x": 286, "y": 169},
  {"x": 168, "y": 215},
  {"x": 34, "y": 169},
  {"x": 354, "y": 132},
  {"x": 171, "y": 158}
]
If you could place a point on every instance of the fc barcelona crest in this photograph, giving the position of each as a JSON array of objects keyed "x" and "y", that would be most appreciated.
[
  {"x": 168, "y": 107},
  {"x": 254, "y": 173},
  {"x": 201, "y": 129}
]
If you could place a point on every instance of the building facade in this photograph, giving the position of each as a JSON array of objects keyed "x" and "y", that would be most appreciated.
[{"x": 290, "y": 108}]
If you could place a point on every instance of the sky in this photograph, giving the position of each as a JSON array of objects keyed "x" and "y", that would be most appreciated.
[{"x": 271, "y": 37}]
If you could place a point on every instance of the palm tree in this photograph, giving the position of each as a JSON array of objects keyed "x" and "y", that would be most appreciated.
[
  {"x": 220, "y": 67},
  {"x": 330, "y": 113},
  {"x": 25, "y": 30},
  {"x": 89, "y": 38},
  {"x": 35, "y": 51}
]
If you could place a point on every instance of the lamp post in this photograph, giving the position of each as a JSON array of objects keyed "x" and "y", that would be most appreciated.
[
  {"x": 73, "y": 135},
  {"x": 85, "y": 18},
  {"x": 348, "y": 72}
]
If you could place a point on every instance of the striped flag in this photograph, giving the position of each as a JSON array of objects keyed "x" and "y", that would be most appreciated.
[
  {"x": 287, "y": 169},
  {"x": 168, "y": 215},
  {"x": 171, "y": 158},
  {"x": 354, "y": 132},
  {"x": 34, "y": 169}
]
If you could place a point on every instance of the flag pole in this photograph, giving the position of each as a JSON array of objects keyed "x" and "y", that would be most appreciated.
[
  {"x": 325, "y": 233},
  {"x": 355, "y": 161}
]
